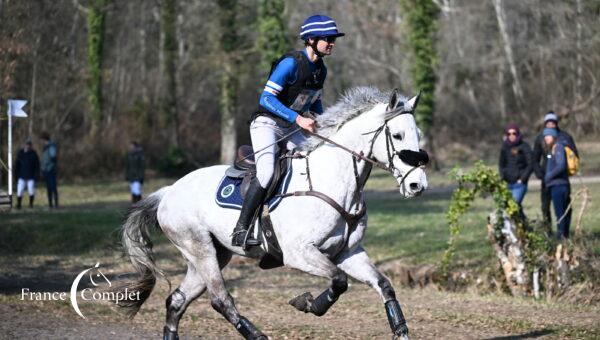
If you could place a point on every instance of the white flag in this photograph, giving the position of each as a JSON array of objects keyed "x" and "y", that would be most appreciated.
[{"x": 15, "y": 107}]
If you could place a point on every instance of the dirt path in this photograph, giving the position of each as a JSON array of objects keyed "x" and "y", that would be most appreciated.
[{"x": 262, "y": 297}]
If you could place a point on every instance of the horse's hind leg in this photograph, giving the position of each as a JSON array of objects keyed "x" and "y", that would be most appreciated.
[
  {"x": 190, "y": 289},
  {"x": 357, "y": 264},
  {"x": 314, "y": 262},
  {"x": 220, "y": 298}
]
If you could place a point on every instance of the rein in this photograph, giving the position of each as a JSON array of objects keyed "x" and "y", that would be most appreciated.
[{"x": 352, "y": 219}]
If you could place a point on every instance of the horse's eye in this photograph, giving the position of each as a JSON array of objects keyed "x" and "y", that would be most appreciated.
[{"x": 397, "y": 136}]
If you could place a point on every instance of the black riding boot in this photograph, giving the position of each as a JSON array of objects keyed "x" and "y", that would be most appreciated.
[
  {"x": 254, "y": 198},
  {"x": 31, "y": 198},
  {"x": 19, "y": 200}
]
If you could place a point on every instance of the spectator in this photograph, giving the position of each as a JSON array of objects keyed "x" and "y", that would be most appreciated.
[
  {"x": 557, "y": 180},
  {"x": 134, "y": 173},
  {"x": 49, "y": 160},
  {"x": 27, "y": 168},
  {"x": 515, "y": 163},
  {"x": 540, "y": 160}
]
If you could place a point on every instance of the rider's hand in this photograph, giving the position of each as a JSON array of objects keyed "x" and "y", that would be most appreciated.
[{"x": 306, "y": 123}]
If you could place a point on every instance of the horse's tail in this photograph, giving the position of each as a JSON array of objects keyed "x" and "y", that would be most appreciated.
[{"x": 135, "y": 234}]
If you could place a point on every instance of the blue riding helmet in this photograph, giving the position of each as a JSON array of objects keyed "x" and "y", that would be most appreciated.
[{"x": 317, "y": 26}]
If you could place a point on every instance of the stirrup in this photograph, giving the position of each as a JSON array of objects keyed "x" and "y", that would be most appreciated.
[{"x": 248, "y": 241}]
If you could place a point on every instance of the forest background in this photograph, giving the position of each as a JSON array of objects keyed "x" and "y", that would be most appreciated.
[{"x": 183, "y": 77}]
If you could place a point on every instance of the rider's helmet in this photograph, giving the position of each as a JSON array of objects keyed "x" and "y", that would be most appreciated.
[{"x": 317, "y": 26}]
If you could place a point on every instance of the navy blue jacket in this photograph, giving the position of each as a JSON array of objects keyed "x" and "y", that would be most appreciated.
[
  {"x": 27, "y": 165},
  {"x": 556, "y": 166}
]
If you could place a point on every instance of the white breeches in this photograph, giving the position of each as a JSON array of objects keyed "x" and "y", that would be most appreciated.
[
  {"x": 136, "y": 187},
  {"x": 264, "y": 131},
  {"x": 21, "y": 187}
]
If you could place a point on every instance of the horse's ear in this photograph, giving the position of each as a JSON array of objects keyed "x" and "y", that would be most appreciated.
[
  {"x": 413, "y": 102},
  {"x": 394, "y": 100}
]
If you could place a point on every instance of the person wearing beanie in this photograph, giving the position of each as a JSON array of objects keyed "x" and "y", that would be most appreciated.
[
  {"x": 540, "y": 160},
  {"x": 556, "y": 180},
  {"x": 27, "y": 168},
  {"x": 515, "y": 163}
]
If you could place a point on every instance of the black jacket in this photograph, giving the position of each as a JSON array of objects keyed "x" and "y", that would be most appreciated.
[
  {"x": 135, "y": 166},
  {"x": 515, "y": 162},
  {"x": 540, "y": 152},
  {"x": 27, "y": 165}
]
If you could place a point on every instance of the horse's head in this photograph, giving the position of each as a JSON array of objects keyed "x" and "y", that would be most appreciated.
[{"x": 396, "y": 144}]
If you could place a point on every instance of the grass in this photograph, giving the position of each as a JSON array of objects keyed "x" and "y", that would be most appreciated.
[{"x": 412, "y": 230}]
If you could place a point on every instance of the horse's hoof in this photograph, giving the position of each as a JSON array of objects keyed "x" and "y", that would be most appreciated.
[
  {"x": 401, "y": 336},
  {"x": 169, "y": 334},
  {"x": 302, "y": 302}
]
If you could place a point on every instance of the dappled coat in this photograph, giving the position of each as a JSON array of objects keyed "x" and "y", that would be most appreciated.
[
  {"x": 135, "y": 166},
  {"x": 515, "y": 162}
]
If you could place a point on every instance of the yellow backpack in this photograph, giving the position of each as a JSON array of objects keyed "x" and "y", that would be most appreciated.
[{"x": 572, "y": 161}]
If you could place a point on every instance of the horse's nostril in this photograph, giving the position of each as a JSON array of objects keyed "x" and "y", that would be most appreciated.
[{"x": 415, "y": 186}]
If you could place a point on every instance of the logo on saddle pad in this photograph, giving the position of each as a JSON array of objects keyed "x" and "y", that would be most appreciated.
[{"x": 227, "y": 190}]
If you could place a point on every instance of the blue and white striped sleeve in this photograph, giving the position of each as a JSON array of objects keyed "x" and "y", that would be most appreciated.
[{"x": 283, "y": 75}]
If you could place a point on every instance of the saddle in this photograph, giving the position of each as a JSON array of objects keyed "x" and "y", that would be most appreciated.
[{"x": 244, "y": 168}]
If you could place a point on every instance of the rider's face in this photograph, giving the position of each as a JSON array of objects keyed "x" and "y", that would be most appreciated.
[{"x": 325, "y": 45}]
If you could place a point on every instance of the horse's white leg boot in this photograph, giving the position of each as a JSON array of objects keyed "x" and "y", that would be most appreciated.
[
  {"x": 314, "y": 262},
  {"x": 357, "y": 264}
]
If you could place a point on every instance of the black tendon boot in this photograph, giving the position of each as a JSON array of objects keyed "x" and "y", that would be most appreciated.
[
  {"x": 254, "y": 198},
  {"x": 19, "y": 200},
  {"x": 31, "y": 198}
]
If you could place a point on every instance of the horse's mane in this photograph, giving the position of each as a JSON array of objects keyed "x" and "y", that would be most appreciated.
[{"x": 352, "y": 104}]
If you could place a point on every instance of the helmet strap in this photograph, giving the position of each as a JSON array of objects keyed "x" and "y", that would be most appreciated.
[{"x": 313, "y": 45}]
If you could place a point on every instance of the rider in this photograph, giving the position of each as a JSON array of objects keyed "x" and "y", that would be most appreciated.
[{"x": 294, "y": 87}]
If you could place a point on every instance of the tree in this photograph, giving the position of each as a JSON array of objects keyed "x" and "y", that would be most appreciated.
[
  {"x": 272, "y": 39},
  {"x": 421, "y": 17},
  {"x": 169, "y": 46},
  {"x": 96, "y": 15},
  {"x": 229, "y": 81}
]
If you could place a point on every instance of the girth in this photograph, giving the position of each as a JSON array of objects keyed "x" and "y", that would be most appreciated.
[{"x": 351, "y": 219}]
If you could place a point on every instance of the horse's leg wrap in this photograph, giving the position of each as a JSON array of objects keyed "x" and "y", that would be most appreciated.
[
  {"x": 319, "y": 306},
  {"x": 174, "y": 304},
  {"x": 248, "y": 330},
  {"x": 227, "y": 308},
  {"x": 396, "y": 318},
  {"x": 169, "y": 334}
]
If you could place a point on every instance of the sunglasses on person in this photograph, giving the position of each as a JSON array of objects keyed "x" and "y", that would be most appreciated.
[
  {"x": 511, "y": 133},
  {"x": 329, "y": 40}
]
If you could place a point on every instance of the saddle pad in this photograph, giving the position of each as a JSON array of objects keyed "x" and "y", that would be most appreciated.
[{"x": 229, "y": 195}]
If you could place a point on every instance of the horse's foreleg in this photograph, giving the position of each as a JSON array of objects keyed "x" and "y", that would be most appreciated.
[
  {"x": 357, "y": 264},
  {"x": 314, "y": 262}
]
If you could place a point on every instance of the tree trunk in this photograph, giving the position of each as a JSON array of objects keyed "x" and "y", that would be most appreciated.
[
  {"x": 170, "y": 117},
  {"x": 516, "y": 85},
  {"x": 228, "y": 121},
  {"x": 96, "y": 17},
  {"x": 510, "y": 252},
  {"x": 229, "y": 81}
]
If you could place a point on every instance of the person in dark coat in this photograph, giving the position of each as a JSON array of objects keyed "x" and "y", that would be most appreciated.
[
  {"x": 27, "y": 168},
  {"x": 134, "y": 173},
  {"x": 49, "y": 168},
  {"x": 540, "y": 160},
  {"x": 556, "y": 179},
  {"x": 515, "y": 162}
]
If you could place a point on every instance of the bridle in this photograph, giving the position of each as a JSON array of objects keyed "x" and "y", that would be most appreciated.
[
  {"x": 360, "y": 207},
  {"x": 418, "y": 160}
]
